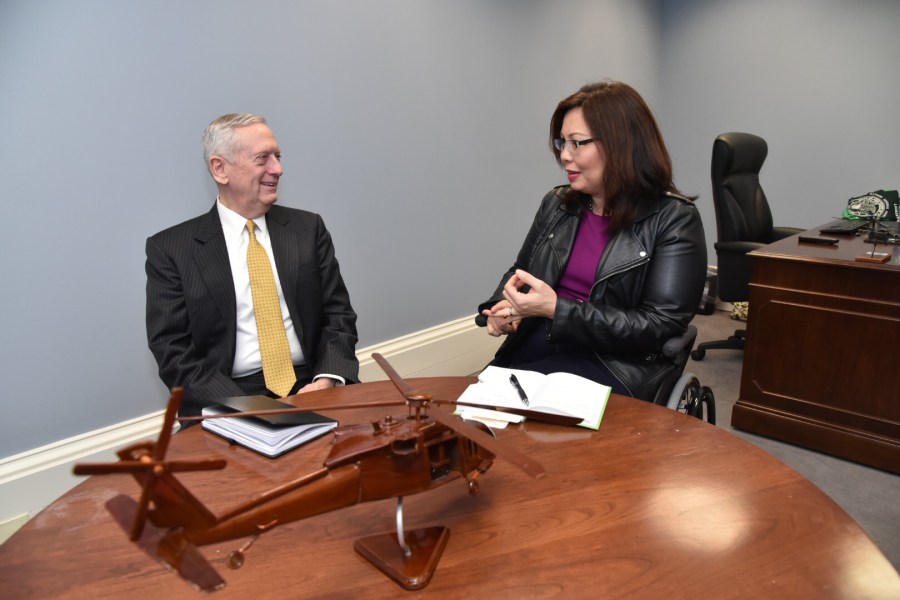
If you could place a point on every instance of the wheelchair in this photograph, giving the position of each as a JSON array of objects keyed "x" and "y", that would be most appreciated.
[{"x": 680, "y": 390}]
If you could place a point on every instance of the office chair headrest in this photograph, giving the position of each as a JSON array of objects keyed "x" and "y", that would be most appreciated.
[{"x": 737, "y": 152}]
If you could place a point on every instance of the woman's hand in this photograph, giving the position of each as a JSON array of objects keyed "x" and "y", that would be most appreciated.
[
  {"x": 500, "y": 319},
  {"x": 539, "y": 301}
]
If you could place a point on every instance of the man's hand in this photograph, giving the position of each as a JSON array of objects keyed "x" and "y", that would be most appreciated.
[{"x": 323, "y": 383}]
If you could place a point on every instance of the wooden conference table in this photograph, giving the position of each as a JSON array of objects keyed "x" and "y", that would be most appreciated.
[{"x": 653, "y": 505}]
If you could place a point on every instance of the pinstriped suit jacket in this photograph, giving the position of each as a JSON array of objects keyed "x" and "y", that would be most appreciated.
[{"x": 191, "y": 314}]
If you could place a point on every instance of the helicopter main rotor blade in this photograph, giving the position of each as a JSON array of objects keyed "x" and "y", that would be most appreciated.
[
  {"x": 140, "y": 515},
  {"x": 210, "y": 464},
  {"x": 405, "y": 389},
  {"x": 162, "y": 444},
  {"x": 296, "y": 409},
  {"x": 519, "y": 459},
  {"x": 135, "y": 466},
  {"x": 123, "y": 466},
  {"x": 535, "y": 415},
  {"x": 158, "y": 454}
]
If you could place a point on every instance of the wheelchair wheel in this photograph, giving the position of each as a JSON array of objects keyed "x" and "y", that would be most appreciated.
[
  {"x": 685, "y": 396},
  {"x": 708, "y": 399}
]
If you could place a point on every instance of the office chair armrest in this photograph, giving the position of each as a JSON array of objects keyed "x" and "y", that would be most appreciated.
[
  {"x": 737, "y": 247},
  {"x": 674, "y": 346},
  {"x": 779, "y": 233}
]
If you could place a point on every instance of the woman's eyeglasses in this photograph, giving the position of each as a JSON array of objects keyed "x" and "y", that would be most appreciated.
[{"x": 570, "y": 145}]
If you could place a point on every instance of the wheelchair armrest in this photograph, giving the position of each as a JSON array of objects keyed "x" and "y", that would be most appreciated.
[{"x": 674, "y": 346}]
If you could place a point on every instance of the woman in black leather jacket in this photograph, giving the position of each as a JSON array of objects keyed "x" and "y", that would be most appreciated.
[{"x": 615, "y": 262}]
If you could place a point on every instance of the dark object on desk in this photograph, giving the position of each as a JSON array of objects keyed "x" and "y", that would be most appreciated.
[
  {"x": 391, "y": 457},
  {"x": 845, "y": 226},
  {"x": 269, "y": 434},
  {"x": 884, "y": 233},
  {"x": 879, "y": 234},
  {"x": 814, "y": 239},
  {"x": 743, "y": 220}
]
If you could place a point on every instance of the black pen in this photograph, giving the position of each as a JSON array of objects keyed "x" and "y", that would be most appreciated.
[{"x": 515, "y": 383}]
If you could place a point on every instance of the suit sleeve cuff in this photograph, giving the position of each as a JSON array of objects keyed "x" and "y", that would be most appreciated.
[{"x": 338, "y": 380}]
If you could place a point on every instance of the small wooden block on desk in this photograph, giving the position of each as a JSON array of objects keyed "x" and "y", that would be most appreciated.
[{"x": 875, "y": 257}]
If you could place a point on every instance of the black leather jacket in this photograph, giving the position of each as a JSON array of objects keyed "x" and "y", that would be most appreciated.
[{"x": 648, "y": 286}]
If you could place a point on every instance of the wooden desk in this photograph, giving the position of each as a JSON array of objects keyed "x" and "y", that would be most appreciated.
[
  {"x": 655, "y": 504},
  {"x": 821, "y": 361}
]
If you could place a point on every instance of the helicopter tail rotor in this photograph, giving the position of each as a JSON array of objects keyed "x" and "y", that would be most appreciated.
[{"x": 146, "y": 462}]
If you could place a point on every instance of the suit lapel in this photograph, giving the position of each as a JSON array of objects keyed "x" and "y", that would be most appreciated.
[
  {"x": 284, "y": 248},
  {"x": 287, "y": 256},
  {"x": 211, "y": 258}
]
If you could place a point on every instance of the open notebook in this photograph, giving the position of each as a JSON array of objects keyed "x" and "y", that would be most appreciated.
[{"x": 556, "y": 393}]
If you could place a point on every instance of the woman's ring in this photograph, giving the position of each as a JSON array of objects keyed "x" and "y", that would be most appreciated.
[{"x": 511, "y": 313}]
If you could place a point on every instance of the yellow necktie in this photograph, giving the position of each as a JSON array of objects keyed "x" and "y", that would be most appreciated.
[{"x": 274, "y": 349}]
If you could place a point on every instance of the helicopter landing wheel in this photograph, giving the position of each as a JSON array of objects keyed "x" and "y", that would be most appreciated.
[{"x": 235, "y": 559}]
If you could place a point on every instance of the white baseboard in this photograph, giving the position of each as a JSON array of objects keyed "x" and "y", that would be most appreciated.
[
  {"x": 454, "y": 348},
  {"x": 32, "y": 480}
]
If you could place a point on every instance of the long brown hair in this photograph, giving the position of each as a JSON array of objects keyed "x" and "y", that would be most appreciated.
[{"x": 638, "y": 167}]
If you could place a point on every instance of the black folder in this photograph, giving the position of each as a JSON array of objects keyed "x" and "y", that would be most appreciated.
[{"x": 270, "y": 435}]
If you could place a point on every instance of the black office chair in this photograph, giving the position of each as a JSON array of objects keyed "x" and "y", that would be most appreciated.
[{"x": 743, "y": 221}]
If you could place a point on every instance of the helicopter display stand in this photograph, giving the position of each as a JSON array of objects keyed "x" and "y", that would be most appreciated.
[
  {"x": 407, "y": 557},
  {"x": 412, "y": 572}
]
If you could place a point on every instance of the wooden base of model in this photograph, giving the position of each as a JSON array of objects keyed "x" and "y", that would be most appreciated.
[
  {"x": 874, "y": 257},
  {"x": 412, "y": 571}
]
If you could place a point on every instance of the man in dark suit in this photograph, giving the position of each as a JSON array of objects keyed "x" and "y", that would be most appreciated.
[{"x": 201, "y": 325}]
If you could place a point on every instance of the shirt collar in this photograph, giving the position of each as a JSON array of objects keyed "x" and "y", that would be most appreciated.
[{"x": 234, "y": 224}]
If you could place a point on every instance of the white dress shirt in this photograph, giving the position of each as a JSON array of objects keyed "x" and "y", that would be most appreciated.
[
  {"x": 247, "y": 360},
  {"x": 246, "y": 355}
]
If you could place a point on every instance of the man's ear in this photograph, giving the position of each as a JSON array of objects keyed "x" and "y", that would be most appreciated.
[{"x": 217, "y": 169}]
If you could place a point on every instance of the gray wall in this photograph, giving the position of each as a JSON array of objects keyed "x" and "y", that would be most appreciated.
[
  {"x": 416, "y": 128},
  {"x": 818, "y": 79}
]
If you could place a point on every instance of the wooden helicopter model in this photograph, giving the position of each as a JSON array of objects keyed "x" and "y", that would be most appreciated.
[{"x": 392, "y": 457}]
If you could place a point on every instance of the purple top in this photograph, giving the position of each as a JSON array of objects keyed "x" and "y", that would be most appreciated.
[{"x": 590, "y": 241}]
